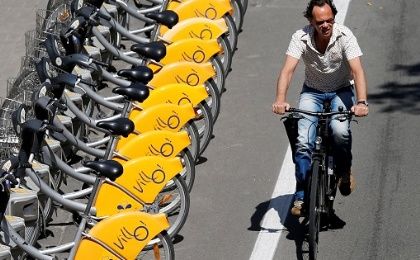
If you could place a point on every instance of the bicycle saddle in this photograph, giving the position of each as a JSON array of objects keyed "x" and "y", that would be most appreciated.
[
  {"x": 120, "y": 126},
  {"x": 135, "y": 92},
  {"x": 151, "y": 50},
  {"x": 139, "y": 74},
  {"x": 168, "y": 18},
  {"x": 109, "y": 168}
]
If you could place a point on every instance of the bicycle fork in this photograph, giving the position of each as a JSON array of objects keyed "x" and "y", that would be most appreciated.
[{"x": 326, "y": 179}]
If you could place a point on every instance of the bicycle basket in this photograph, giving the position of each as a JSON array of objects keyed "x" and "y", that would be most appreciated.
[
  {"x": 291, "y": 126},
  {"x": 53, "y": 21},
  {"x": 9, "y": 140}
]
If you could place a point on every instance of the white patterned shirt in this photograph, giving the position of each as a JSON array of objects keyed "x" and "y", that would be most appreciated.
[{"x": 329, "y": 71}]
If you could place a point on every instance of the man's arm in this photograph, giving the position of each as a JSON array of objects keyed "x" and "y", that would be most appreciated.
[
  {"x": 280, "y": 105},
  {"x": 360, "y": 85}
]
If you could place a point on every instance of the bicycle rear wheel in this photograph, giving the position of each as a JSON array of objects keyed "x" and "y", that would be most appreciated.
[
  {"x": 314, "y": 210},
  {"x": 175, "y": 203},
  {"x": 213, "y": 100},
  {"x": 164, "y": 249},
  {"x": 204, "y": 123},
  {"x": 194, "y": 136}
]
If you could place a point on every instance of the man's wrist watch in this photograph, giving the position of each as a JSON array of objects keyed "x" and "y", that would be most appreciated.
[{"x": 364, "y": 102}]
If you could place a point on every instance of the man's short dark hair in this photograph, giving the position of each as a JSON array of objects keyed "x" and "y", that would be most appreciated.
[{"x": 312, "y": 3}]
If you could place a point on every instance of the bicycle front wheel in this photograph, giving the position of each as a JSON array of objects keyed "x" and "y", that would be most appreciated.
[{"x": 314, "y": 210}]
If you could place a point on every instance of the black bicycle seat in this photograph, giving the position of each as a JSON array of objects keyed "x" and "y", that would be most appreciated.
[
  {"x": 120, "y": 126},
  {"x": 168, "y": 18},
  {"x": 135, "y": 92},
  {"x": 151, "y": 50},
  {"x": 109, "y": 168},
  {"x": 139, "y": 74}
]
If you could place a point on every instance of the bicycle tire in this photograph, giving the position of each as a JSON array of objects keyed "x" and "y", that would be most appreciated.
[
  {"x": 178, "y": 208},
  {"x": 238, "y": 13},
  {"x": 220, "y": 76},
  {"x": 204, "y": 123},
  {"x": 314, "y": 211},
  {"x": 194, "y": 147},
  {"x": 213, "y": 100},
  {"x": 187, "y": 173},
  {"x": 232, "y": 31},
  {"x": 165, "y": 249},
  {"x": 189, "y": 167},
  {"x": 227, "y": 55}
]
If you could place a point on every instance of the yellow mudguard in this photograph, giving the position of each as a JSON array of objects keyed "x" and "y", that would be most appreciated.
[
  {"x": 211, "y": 9},
  {"x": 145, "y": 177},
  {"x": 162, "y": 143},
  {"x": 199, "y": 27},
  {"x": 111, "y": 200},
  {"x": 190, "y": 73},
  {"x": 192, "y": 50},
  {"x": 176, "y": 94},
  {"x": 171, "y": 117},
  {"x": 126, "y": 234}
]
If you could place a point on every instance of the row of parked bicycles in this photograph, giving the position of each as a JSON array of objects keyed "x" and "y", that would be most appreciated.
[{"x": 114, "y": 104}]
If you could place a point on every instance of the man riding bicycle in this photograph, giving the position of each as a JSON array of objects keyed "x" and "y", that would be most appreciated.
[{"x": 331, "y": 56}]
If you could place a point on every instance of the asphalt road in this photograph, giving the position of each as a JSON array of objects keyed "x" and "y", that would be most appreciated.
[{"x": 234, "y": 184}]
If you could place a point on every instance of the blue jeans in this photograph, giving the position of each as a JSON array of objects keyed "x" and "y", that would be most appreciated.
[{"x": 312, "y": 100}]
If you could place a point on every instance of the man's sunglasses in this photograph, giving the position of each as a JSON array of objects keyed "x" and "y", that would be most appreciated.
[{"x": 329, "y": 21}]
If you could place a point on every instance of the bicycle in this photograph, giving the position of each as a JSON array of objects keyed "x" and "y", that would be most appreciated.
[
  {"x": 106, "y": 238},
  {"x": 322, "y": 182}
]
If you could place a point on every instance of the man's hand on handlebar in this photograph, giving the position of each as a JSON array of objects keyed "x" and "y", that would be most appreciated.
[
  {"x": 280, "y": 107},
  {"x": 360, "y": 110}
]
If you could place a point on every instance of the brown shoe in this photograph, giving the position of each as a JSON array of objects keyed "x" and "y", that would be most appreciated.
[
  {"x": 346, "y": 184},
  {"x": 297, "y": 208}
]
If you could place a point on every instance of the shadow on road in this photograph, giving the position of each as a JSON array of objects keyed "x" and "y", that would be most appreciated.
[
  {"x": 410, "y": 70},
  {"x": 398, "y": 97},
  {"x": 297, "y": 228},
  {"x": 280, "y": 204}
]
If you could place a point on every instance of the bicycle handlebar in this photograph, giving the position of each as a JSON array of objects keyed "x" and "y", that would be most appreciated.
[{"x": 320, "y": 114}]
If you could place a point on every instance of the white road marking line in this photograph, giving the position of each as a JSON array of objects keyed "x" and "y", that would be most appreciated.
[{"x": 268, "y": 238}]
